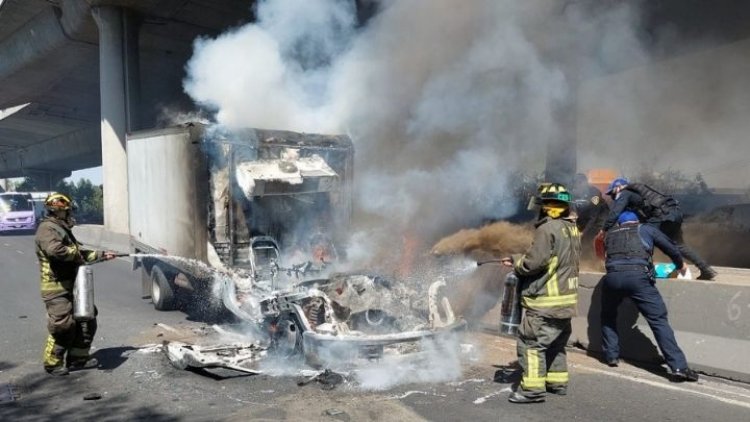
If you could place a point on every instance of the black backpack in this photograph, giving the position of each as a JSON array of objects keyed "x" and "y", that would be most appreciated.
[{"x": 655, "y": 203}]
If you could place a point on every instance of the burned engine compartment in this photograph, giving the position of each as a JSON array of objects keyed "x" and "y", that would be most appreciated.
[{"x": 341, "y": 319}]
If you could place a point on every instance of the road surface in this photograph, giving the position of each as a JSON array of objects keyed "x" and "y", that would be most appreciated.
[{"x": 136, "y": 382}]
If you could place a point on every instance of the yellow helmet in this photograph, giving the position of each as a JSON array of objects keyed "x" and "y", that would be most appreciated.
[
  {"x": 554, "y": 192},
  {"x": 58, "y": 202}
]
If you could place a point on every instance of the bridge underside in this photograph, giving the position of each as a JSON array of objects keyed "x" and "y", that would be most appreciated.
[{"x": 49, "y": 59}]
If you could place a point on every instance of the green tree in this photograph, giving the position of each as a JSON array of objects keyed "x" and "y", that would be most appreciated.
[
  {"x": 88, "y": 199},
  {"x": 26, "y": 185}
]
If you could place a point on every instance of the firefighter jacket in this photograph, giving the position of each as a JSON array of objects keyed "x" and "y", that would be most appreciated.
[
  {"x": 59, "y": 255},
  {"x": 630, "y": 247},
  {"x": 548, "y": 272}
]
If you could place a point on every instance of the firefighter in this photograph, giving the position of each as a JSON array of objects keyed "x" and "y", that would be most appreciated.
[
  {"x": 548, "y": 276},
  {"x": 656, "y": 209},
  {"x": 629, "y": 248},
  {"x": 590, "y": 209},
  {"x": 60, "y": 255}
]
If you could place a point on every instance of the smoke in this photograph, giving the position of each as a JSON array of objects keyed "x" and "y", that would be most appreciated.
[
  {"x": 443, "y": 102},
  {"x": 273, "y": 74},
  {"x": 438, "y": 361}
]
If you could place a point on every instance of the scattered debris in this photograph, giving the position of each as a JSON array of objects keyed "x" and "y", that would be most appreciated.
[
  {"x": 92, "y": 396},
  {"x": 337, "y": 414},
  {"x": 327, "y": 378},
  {"x": 232, "y": 356},
  {"x": 409, "y": 393},
  {"x": 150, "y": 348}
]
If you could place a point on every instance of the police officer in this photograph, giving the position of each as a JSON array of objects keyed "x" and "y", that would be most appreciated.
[
  {"x": 60, "y": 255},
  {"x": 548, "y": 277},
  {"x": 630, "y": 273},
  {"x": 626, "y": 197}
]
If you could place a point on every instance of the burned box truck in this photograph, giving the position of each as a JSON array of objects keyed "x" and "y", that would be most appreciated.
[
  {"x": 254, "y": 210},
  {"x": 232, "y": 200}
]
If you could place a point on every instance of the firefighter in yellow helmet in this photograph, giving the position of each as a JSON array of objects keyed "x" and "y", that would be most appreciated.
[
  {"x": 548, "y": 278},
  {"x": 60, "y": 255}
]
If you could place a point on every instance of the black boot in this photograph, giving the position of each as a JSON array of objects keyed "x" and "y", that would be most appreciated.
[
  {"x": 83, "y": 363},
  {"x": 687, "y": 374},
  {"x": 516, "y": 397},
  {"x": 559, "y": 390},
  {"x": 57, "y": 371},
  {"x": 707, "y": 273}
]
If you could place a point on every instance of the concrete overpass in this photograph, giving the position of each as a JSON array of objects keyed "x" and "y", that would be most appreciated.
[
  {"x": 80, "y": 74},
  {"x": 90, "y": 71}
]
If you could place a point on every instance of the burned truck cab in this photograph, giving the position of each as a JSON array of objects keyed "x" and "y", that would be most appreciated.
[{"x": 281, "y": 185}]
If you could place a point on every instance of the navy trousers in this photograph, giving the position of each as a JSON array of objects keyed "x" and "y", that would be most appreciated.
[{"x": 639, "y": 287}]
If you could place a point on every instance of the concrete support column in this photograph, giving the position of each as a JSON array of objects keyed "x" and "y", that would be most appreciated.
[
  {"x": 562, "y": 151},
  {"x": 118, "y": 70}
]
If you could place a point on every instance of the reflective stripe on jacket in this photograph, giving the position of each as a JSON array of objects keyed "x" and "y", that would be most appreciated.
[
  {"x": 549, "y": 270},
  {"x": 59, "y": 256}
]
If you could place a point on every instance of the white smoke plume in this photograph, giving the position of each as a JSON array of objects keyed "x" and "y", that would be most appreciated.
[{"x": 444, "y": 101}]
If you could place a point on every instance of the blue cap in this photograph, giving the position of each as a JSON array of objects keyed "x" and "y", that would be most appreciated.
[
  {"x": 627, "y": 217},
  {"x": 620, "y": 181}
]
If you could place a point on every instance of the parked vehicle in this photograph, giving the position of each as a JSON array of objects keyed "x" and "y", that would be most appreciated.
[
  {"x": 17, "y": 212},
  {"x": 38, "y": 199}
]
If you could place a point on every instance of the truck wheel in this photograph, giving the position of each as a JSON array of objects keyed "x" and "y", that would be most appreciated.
[
  {"x": 162, "y": 292},
  {"x": 145, "y": 283},
  {"x": 288, "y": 341}
]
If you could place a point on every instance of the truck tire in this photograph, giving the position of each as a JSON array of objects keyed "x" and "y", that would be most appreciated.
[
  {"x": 288, "y": 341},
  {"x": 145, "y": 283},
  {"x": 162, "y": 292}
]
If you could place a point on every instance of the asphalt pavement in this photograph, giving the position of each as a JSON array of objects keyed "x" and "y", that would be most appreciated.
[{"x": 136, "y": 382}]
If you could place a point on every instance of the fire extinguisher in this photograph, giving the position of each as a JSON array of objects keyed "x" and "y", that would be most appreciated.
[
  {"x": 510, "y": 307},
  {"x": 83, "y": 295},
  {"x": 599, "y": 246}
]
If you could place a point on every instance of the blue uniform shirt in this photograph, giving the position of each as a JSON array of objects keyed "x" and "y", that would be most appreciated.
[{"x": 651, "y": 237}]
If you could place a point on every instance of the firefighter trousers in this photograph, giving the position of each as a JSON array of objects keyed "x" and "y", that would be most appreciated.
[
  {"x": 68, "y": 339},
  {"x": 541, "y": 353}
]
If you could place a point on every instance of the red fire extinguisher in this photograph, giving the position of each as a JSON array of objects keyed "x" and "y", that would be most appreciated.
[{"x": 599, "y": 245}]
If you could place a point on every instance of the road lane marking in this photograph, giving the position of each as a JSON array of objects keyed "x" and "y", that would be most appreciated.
[
  {"x": 658, "y": 384},
  {"x": 489, "y": 396}
]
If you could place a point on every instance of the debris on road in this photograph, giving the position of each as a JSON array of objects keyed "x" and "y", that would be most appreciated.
[
  {"x": 92, "y": 396},
  {"x": 327, "y": 378},
  {"x": 230, "y": 356}
]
